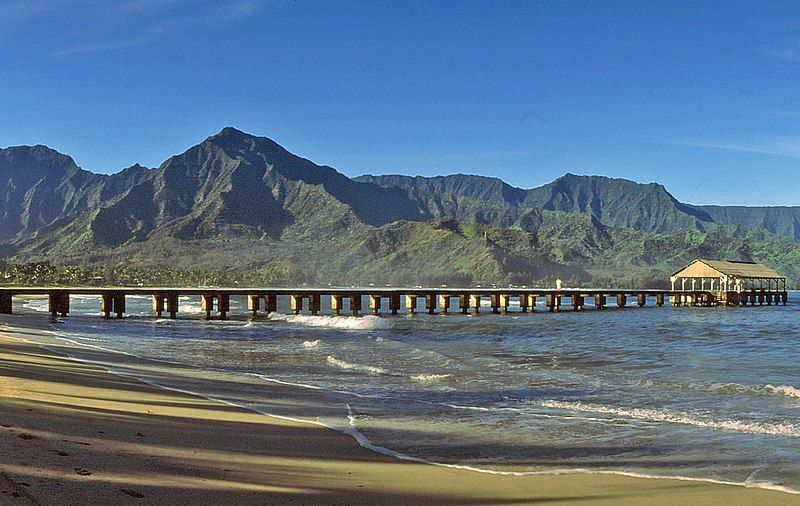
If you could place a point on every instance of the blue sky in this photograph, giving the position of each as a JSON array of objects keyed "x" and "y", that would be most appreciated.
[{"x": 702, "y": 97}]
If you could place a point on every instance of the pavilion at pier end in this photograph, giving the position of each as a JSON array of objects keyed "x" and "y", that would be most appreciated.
[{"x": 728, "y": 282}]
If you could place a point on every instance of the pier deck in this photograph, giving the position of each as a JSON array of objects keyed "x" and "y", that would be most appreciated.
[{"x": 216, "y": 301}]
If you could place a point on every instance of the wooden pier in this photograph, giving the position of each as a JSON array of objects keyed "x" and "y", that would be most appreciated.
[{"x": 216, "y": 302}]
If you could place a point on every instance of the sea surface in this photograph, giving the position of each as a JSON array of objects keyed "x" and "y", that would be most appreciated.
[{"x": 700, "y": 393}]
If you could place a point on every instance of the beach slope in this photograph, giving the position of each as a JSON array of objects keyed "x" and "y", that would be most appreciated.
[{"x": 73, "y": 433}]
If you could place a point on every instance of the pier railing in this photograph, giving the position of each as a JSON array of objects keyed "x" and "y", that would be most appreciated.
[{"x": 216, "y": 301}]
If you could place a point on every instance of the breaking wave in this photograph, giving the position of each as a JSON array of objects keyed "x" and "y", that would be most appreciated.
[
  {"x": 335, "y": 322},
  {"x": 431, "y": 377},
  {"x": 653, "y": 415},
  {"x": 341, "y": 364}
]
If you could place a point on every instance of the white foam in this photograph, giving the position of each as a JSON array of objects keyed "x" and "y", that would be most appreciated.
[
  {"x": 355, "y": 367},
  {"x": 431, "y": 377},
  {"x": 653, "y": 415},
  {"x": 311, "y": 344},
  {"x": 786, "y": 390},
  {"x": 334, "y": 322},
  {"x": 366, "y": 443}
]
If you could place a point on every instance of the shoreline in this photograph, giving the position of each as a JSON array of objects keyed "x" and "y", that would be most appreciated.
[{"x": 433, "y": 482}]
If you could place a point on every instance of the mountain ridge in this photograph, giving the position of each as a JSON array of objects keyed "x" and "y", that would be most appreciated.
[{"x": 246, "y": 202}]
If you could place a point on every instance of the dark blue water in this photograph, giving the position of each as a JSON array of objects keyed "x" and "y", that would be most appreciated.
[{"x": 711, "y": 393}]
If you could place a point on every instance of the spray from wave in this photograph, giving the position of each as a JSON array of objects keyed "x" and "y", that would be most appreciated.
[
  {"x": 334, "y": 322},
  {"x": 786, "y": 390}
]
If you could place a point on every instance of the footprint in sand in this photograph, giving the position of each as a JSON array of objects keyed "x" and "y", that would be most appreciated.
[
  {"x": 132, "y": 493},
  {"x": 83, "y": 472},
  {"x": 60, "y": 453},
  {"x": 26, "y": 436}
]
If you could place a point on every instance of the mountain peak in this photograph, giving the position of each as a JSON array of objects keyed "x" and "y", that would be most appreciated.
[
  {"x": 37, "y": 158},
  {"x": 232, "y": 132}
]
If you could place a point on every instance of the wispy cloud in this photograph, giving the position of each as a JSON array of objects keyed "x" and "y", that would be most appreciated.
[
  {"x": 787, "y": 54},
  {"x": 20, "y": 10},
  {"x": 108, "y": 45},
  {"x": 782, "y": 147},
  {"x": 199, "y": 15}
]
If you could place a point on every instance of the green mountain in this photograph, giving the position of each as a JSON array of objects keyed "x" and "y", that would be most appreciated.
[
  {"x": 614, "y": 202},
  {"x": 240, "y": 208},
  {"x": 39, "y": 185}
]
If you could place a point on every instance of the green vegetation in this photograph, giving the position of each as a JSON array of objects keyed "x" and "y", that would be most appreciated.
[{"x": 241, "y": 210}]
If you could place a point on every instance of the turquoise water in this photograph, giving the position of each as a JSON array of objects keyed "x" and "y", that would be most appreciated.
[{"x": 709, "y": 393}]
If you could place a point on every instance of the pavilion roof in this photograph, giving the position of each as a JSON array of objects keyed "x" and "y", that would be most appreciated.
[{"x": 732, "y": 268}]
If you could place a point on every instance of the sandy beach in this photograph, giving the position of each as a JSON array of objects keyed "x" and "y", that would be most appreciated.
[{"x": 73, "y": 433}]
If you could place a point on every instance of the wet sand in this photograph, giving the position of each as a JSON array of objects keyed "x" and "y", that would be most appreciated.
[{"x": 72, "y": 433}]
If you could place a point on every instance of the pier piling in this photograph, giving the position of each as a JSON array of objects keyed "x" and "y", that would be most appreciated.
[
  {"x": 411, "y": 304},
  {"x": 6, "y": 303},
  {"x": 375, "y": 304},
  {"x": 444, "y": 304},
  {"x": 337, "y": 302},
  {"x": 254, "y": 304},
  {"x": 296, "y": 303},
  {"x": 315, "y": 303},
  {"x": 58, "y": 303}
]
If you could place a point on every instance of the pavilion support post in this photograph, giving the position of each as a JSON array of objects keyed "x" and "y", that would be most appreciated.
[
  {"x": 641, "y": 300},
  {"x": 375, "y": 304},
  {"x": 660, "y": 299},
  {"x": 577, "y": 302},
  {"x": 444, "y": 304},
  {"x": 337, "y": 304},
  {"x": 411, "y": 304},
  {"x": 254, "y": 304},
  {"x": 532, "y": 303},
  {"x": 6, "y": 303},
  {"x": 622, "y": 300}
]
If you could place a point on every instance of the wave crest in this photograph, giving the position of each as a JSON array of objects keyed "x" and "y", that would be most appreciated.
[
  {"x": 335, "y": 322},
  {"x": 431, "y": 377},
  {"x": 773, "y": 429},
  {"x": 341, "y": 364}
]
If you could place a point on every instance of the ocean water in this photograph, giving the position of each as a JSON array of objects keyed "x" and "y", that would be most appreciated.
[{"x": 700, "y": 393}]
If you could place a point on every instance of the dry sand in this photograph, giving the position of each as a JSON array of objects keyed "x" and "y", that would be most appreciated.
[{"x": 75, "y": 434}]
